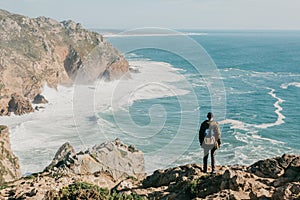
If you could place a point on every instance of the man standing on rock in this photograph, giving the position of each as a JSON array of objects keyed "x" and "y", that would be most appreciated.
[{"x": 210, "y": 140}]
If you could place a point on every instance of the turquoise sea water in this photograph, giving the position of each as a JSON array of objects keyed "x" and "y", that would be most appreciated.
[
  {"x": 160, "y": 109},
  {"x": 261, "y": 75}
]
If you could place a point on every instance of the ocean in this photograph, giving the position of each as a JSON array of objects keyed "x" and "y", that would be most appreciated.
[{"x": 250, "y": 80}]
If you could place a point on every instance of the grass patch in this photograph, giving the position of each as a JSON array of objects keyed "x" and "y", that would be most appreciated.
[
  {"x": 31, "y": 176},
  {"x": 192, "y": 188},
  {"x": 3, "y": 186},
  {"x": 83, "y": 190},
  {"x": 2, "y": 127}
]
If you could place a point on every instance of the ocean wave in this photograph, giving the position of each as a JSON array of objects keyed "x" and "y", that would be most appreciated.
[
  {"x": 286, "y": 85},
  {"x": 45, "y": 131},
  {"x": 280, "y": 116},
  {"x": 124, "y": 93},
  {"x": 267, "y": 139},
  {"x": 236, "y": 124},
  {"x": 252, "y": 73}
]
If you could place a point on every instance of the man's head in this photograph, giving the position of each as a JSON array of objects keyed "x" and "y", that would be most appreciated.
[{"x": 210, "y": 115}]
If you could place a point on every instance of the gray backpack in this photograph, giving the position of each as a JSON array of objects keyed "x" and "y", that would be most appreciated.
[{"x": 209, "y": 138}]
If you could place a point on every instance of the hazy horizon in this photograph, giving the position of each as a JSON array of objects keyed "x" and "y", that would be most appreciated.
[{"x": 172, "y": 14}]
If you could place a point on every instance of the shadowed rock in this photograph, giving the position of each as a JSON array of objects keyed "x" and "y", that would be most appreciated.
[
  {"x": 9, "y": 163},
  {"x": 63, "y": 157},
  {"x": 39, "y": 99},
  {"x": 285, "y": 168},
  {"x": 19, "y": 105}
]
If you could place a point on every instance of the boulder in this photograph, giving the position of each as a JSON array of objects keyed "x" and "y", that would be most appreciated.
[
  {"x": 288, "y": 191},
  {"x": 114, "y": 158},
  {"x": 63, "y": 157},
  {"x": 283, "y": 169},
  {"x": 166, "y": 177},
  {"x": 293, "y": 170},
  {"x": 19, "y": 105},
  {"x": 260, "y": 193},
  {"x": 269, "y": 168},
  {"x": 9, "y": 163},
  {"x": 39, "y": 99}
]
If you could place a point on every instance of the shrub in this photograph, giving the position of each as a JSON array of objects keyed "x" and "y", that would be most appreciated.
[
  {"x": 83, "y": 190},
  {"x": 2, "y": 127}
]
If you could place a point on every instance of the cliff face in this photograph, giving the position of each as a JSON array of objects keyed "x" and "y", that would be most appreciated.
[
  {"x": 113, "y": 170},
  {"x": 41, "y": 50},
  {"x": 9, "y": 163}
]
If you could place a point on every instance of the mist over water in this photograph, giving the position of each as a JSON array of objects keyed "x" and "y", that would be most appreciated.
[{"x": 156, "y": 109}]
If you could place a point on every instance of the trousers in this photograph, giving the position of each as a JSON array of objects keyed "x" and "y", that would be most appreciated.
[{"x": 212, "y": 154}]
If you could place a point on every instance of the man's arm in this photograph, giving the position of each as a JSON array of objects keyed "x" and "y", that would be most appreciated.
[{"x": 201, "y": 133}]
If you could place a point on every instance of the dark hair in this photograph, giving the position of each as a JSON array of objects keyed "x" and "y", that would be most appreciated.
[{"x": 209, "y": 115}]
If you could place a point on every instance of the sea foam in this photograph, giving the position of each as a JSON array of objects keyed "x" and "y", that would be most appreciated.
[
  {"x": 36, "y": 137},
  {"x": 236, "y": 124},
  {"x": 286, "y": 85}
]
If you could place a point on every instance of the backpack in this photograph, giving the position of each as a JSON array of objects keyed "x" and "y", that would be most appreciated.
[{"x": 209, "y": 137}]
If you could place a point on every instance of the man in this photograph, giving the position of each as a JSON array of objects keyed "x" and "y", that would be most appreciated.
[{"x": 210, "y": 140}]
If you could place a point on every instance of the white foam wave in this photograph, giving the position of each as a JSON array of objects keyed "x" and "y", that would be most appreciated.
[
  {"x": 242, "y": 72},
  {"x": 286, "y": 85},
  {"x": 280, "y": 116},
  {"x": 36, "y": 137},
  {"x": 236, "y": 124},
  {"x": 267, "y": 139},
  {"x": 141, "y": 87}
]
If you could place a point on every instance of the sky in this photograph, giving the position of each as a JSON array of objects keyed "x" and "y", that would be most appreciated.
[{"x": 174, "y": 14}]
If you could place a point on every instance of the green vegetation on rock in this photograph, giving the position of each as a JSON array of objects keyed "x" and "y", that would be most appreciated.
[
  {"x": 83, "y": 190},
  {"x": 2, "y": 127}
]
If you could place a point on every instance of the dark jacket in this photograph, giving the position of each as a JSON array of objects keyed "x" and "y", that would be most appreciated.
[{"x": 203, "y": 127}]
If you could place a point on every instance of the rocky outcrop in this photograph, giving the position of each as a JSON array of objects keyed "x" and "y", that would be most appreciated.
[
  {"x": 104, "y": 165},
  {"x": 9, "y": 163},
  {"x": 284, "y": 169},
  {"x": 114, "y": 158},
  {"x": 42, "y": 51},
  {"x": 19, "y": 105},
  {"x": 99, "y": 173},
  {"x": 39, "y": 99},
  {"x": 275, "y": 178}
]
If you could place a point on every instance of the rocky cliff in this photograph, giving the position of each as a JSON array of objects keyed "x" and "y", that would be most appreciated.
[
  {"x": 114, "y": 170},
  {"x": 275, "y": 178},
  {"x": 103, "y": 165},
  {"x": 95, "y": 174},
  {"x": 41, "y": 50},
  {"x": 9, "y": 163}
]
